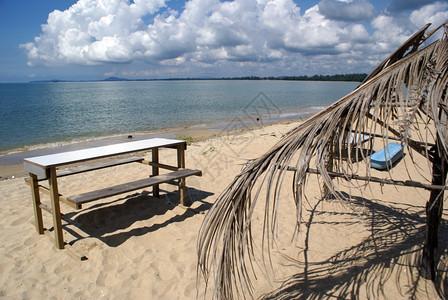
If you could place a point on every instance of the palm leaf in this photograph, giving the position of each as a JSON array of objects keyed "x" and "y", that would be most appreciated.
[{"x": 408, "y": 89}]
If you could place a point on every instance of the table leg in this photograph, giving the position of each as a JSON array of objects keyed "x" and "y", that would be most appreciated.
[
  {"x": 155, "y": 171},
  {"x": 181, "y": 165},
  {"x": 56, "y": 210},
  {"x": 36, "y": 204}
]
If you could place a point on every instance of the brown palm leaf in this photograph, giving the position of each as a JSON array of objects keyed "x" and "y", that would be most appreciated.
[{"x": 407, "y": 89}]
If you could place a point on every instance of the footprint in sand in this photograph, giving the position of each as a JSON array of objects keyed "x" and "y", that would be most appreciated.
[
  {"x": 180, "y": 266},
  {"x": 104, "y": 279},
  {"x": 20, "y": 221},
  {"x": 30, "y": 241},
  {"x": 163, "y": 271}
]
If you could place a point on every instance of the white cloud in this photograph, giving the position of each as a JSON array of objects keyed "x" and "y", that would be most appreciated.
[
  {"x": 391, "y": 31},
  {"x": 90, "y": 32},
  {"x": 434, "y": 13},
  {"x": 235, "y": 36}
]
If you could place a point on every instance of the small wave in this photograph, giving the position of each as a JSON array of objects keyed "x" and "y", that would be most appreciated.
[
  {"x": 57, "y": 144},
  {"x": 317, "y": 108},
  {"x": 201, "y": 125},
  {"x": 300, "y": 113}
]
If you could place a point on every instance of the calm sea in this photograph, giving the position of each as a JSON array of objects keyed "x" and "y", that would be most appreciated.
[{"x": 34, "y": 115}]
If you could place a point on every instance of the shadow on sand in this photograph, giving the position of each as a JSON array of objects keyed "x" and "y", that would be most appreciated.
[
  {"x": 392, "y": 249},
  {"x": 110, "y": 222}
]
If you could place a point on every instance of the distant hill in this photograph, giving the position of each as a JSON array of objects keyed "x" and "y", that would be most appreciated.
[
  {"x": 114, "y": 79},
  {"x": 52, "y": 80}
]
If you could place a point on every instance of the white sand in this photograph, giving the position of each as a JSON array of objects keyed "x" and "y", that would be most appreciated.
[{"x": 140, "y": 247}]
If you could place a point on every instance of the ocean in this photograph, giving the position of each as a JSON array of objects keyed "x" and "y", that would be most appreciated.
[{"x": 47, "y": 114}]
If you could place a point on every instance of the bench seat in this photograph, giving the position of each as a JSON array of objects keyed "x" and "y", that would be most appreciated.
[{"x": 131, "y": 186}]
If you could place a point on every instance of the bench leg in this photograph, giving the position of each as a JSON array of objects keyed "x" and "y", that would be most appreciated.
[
  {"x": 181, "y": 165},
  {"x": 36, "y": 204},
  {"x": 155, "y": 171},
  {"x": 56, "y": 210}
]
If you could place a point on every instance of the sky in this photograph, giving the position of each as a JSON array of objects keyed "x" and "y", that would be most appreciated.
[{"x": 155, "y": 39}]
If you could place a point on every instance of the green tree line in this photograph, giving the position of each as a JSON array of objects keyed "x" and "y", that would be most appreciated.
[{"x": 337, "y": 77}]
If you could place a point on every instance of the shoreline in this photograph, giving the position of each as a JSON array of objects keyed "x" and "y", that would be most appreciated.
[
  {"x": 11, "y": 165},
  {"x": 256, "y": 114}
]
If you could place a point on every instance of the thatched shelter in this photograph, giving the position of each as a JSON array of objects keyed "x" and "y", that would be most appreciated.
[{"x": 403, "y": 100}]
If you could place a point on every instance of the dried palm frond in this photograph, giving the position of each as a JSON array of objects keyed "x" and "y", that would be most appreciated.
[{"x": 408, "y": 89}]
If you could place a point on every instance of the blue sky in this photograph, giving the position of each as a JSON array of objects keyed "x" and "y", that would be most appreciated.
[{"x": 95, "y": 39}]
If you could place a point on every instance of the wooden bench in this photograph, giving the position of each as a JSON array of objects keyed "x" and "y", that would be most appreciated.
[
  {"x": 47, "y": 167},
  {"x": 76, "y": 201},
  {"x": 80, "y": 199}
]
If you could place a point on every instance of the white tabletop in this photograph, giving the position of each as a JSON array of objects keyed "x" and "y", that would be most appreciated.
[{"x": 63, "y": 158}]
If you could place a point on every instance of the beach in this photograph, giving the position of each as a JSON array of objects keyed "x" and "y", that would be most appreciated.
[{"x": 142, "y": 247}]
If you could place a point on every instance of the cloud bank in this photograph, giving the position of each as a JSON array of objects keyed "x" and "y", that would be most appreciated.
[{"x": 269, "y": 35}]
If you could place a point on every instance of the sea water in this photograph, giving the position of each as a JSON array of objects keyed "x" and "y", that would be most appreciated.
[{"x": 38, "y": 114}]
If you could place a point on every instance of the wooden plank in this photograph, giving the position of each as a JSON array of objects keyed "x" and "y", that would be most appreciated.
[
  {"x": 36, "y": 203},
  {"x": 182, "y": 184},
  {"x": 132, "y": 186},
  {"x": 155, "y": 170},
  {"x": 56, "y": 210},
  {"x": 99, "y": 166},
  {"x": 48, "y": 209},
  {"x": 62, "y": 198},
  {"x": 70, "y": 250},
  {"x": 394, "y": 138},
  {"x": 159, "y": 165},
  {"x": 408, "y": 183}
]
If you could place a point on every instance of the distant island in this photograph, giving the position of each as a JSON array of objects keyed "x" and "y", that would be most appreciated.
[{"x": 357, "y": 77}]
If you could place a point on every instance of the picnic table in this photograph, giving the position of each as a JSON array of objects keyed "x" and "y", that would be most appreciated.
[{"x": 46, "y": 167}]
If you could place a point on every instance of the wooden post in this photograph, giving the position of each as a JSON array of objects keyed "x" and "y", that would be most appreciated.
[
  {"x": 330, "y": 165},
  {"x": 181, "y": 165},
  {"x": 434, "y": 208},
  {"x": 36, "y": 203},
  {"x": 155, "y": 171},
  {"x": 56, "y": 210}
]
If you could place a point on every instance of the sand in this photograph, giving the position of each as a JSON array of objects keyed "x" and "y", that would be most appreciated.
[{"x": 141, "y": 247}]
